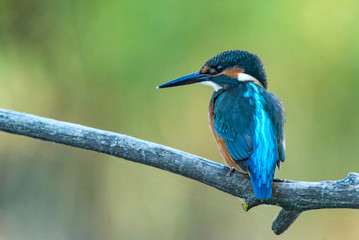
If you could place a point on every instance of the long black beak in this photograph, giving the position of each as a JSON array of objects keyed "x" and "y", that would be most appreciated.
[{"x": 188, "y": 79}]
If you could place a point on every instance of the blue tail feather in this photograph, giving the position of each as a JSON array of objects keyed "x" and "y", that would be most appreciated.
[{"x": 262, "y": 190}]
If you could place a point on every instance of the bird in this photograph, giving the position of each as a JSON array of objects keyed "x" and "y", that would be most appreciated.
[{"x": 247, "y": 121}]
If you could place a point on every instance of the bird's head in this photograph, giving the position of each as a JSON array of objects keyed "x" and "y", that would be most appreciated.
[{"x": 226, "y": 70}]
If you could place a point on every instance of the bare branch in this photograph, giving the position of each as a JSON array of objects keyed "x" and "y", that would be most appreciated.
[
  {"x": 293, "y": 196},
  {"x": 283, "y": 220}
]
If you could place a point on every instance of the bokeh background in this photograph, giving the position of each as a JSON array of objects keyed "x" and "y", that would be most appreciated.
[{"x": 97, "y": 63}]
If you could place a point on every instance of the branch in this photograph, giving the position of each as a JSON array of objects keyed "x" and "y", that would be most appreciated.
[{"x": 293, "y": 197}]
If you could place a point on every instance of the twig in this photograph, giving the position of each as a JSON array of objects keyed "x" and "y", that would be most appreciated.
[{"x": 293, "y": 196}]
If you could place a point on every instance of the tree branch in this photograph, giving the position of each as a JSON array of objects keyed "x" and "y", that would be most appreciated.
[{"x": 293, "y": 196}]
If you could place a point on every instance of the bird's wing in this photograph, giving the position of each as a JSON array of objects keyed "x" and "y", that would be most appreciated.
[
  {"x": 275, "y": 110},
  {"x": 233, "y": 121}
]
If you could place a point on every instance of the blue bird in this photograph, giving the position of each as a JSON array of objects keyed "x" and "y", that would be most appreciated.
[{"x": 246, "y": 120}]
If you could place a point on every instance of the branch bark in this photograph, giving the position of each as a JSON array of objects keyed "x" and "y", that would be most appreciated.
[{"x": 293, "y": 197}]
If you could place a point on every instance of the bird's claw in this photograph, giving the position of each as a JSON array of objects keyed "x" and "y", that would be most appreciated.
[{"x": 231, "y": 171}]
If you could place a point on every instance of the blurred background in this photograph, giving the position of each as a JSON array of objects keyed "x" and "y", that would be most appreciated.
[{"x": 97, "y": 63}]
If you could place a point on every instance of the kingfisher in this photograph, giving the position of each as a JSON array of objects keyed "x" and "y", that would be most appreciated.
[{"x": 246, "y": 120}]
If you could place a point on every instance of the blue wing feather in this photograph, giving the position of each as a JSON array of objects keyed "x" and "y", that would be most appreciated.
[
  {"x": 233, "y": 121},
  {"x": 275, "y": 110}
]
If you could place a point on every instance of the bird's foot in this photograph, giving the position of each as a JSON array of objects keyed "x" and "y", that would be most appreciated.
[{"x": 231, "y": 171}]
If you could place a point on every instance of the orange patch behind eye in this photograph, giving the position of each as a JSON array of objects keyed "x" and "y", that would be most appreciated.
[{"x": 232, "y": 72}]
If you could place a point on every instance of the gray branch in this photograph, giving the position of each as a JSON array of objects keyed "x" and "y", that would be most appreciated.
[{"x": 293, "y": 197}]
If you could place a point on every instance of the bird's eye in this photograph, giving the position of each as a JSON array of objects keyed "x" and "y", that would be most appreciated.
[
  {"x": 219, "y": 68},
  {"x": 215, "y": 70}
]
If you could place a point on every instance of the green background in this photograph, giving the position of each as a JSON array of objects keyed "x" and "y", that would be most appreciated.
[{"x": 97, "y": 63}]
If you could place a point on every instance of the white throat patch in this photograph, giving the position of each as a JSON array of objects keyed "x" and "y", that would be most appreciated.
[
  {"x": 215, "y": 86},
  {"x": 242, "y": 77}
]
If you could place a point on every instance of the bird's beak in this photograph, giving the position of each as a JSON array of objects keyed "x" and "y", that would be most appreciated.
[{"x": 188, "y": 79}]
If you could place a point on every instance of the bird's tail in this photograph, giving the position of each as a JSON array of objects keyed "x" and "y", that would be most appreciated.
[{"x": 261, "y": 190}]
